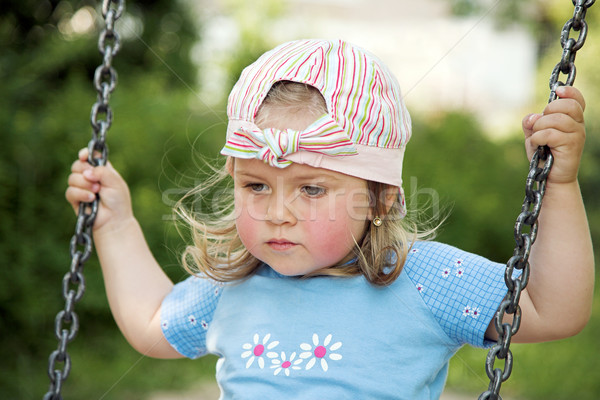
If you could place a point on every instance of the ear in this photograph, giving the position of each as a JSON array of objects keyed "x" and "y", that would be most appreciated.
[
  {"x": 229, "y": 165},
  {"x": 387, "y": 198},
  {"x": 391, "y": 195}
]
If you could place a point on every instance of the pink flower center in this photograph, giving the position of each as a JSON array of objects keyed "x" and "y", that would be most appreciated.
[
  {"x": 286, "y": 364},
  {"x": 259, "y": 349},
  {"x": 320, "y": 352}
]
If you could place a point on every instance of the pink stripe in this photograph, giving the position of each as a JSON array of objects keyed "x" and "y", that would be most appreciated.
[
  {"x": 381, "y": 118},
  {"x": 317, "y": 68},
  {"x": 352, "y": 86},
  {"x": 392, "y": 138},
  {"x": 370, "y": 113},
  {"x": 358, "y": 105},
  {"x": 252, "y": 84},
  {"x": 338, "y": 82},
  {"x": 299, "y": 67},
  {"x": 242, "y": 145},
  {"x": 324, "y": 124},
  {"x": 292, "y": 73},
  {"x": 243, "y": 134}
]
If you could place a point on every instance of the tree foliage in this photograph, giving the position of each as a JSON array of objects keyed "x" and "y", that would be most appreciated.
[{"x": 46, "y": 70}]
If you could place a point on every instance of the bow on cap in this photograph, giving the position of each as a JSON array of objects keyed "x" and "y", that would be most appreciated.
[{"x": 271, "y": 145}]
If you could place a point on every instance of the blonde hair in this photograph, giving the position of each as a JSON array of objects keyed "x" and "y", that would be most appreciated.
[{"x": 217, "y": 249}]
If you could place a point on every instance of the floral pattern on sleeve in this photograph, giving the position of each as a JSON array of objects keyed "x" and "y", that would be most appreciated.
[{"x": 463, "y": 290}]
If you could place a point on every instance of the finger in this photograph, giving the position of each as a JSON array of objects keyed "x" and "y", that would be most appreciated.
[
  {"x": 82, "y": 161},
  {"x": 543, "y": 138},
  {"x": 570, "y": 92},
  {"x": 558, "y": 121},
  {"x": 78, "y": 180},
  {"x": 79, "y": 166},
  {"x": 83, "y": 154},
  {"x": 528, "y": 123},
  {"x": 105, "y": 175},
  {"x": 568, "y": 107},
  {"x": 556, "y": 139},
  {"x": 97, "y": 174},
  {"x": 93, "y": 174},
  {"x": 75, "y": 196}
]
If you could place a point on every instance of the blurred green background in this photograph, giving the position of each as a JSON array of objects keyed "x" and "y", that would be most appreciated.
[{"x": 162, "y": 128}]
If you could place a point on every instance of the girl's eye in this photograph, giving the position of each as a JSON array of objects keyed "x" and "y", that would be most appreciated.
[
  {"x": 313, "y": 191},
  {"x": 256, "y": 187}
]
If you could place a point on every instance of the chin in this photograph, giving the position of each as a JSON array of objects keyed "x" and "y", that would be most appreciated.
[{"x": 291, "y": 270}]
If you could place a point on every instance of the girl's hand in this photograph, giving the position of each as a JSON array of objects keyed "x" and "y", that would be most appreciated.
[
  {"x": 86, "y": 181},
  {"x": 561, "y": 128}
]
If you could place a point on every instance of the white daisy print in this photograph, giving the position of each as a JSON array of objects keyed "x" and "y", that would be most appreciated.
[
  {"x": 256, "y": 350},
  {"x": 460, "y": 271},
  {"x": 419, "y": 288},
  {"x": 458, "y": 262},
  {"x": 446, "y": 272},
  {"x": 467, "y": 311},
  {"x": 475, "y": 312},
  {"x": 165, "y": 324},
  {"x": 193, "y": 321},
  {"x": 414, "y": 251},
  {"x": 285, "y": 365},
  {"x": 319, "y": 352}
]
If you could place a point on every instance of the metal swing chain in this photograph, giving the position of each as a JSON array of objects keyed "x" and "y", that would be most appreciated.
[
  {"x": 66, "y": 323},
  {"x": 535, "y": 187}
]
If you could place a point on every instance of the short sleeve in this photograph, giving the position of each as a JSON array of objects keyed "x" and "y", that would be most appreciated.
[
  {"x": 187, "y": 312},
  {"x": 462, "y": 290}
]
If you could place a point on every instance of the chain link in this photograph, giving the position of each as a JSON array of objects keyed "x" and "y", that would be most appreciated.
[
  {"x": 535, "y": 187},
  {"x": 66, "y": 323}
]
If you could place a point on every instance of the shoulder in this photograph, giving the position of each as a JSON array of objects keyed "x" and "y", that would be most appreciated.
[
  {"x": 187, "y": 312},
  {"x": 463, "y": 290},
  {"x": 196, "y": 289},
  {"x": 435, "y": 260}
]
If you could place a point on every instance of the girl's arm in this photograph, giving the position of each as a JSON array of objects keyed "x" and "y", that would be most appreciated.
[
  {"x": 135, "y": 283},
  {"x": 557, "y": 301}
]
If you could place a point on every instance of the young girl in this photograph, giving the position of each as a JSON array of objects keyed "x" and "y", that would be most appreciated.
[{"x": 314, "y": 286}]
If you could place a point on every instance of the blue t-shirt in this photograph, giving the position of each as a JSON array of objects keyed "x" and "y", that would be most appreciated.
[{"x": 338, "y": 338}]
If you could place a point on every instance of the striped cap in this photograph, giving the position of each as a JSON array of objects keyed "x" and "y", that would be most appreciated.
[{"x": 367, "y": 126}]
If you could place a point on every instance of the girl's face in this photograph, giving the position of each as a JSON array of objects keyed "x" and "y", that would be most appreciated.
[{"x": 298, "y": 219}]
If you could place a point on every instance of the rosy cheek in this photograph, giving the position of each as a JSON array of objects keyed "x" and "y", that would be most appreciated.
[
  {"x": 330, "y": 240},
  {"x": 246, "y": 225}
]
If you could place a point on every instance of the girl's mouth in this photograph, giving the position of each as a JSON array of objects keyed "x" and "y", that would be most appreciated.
[{"x": 280, "y": 244}]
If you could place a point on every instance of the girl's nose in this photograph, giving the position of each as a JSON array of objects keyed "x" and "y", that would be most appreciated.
[{"x": 280, "y": 209}]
